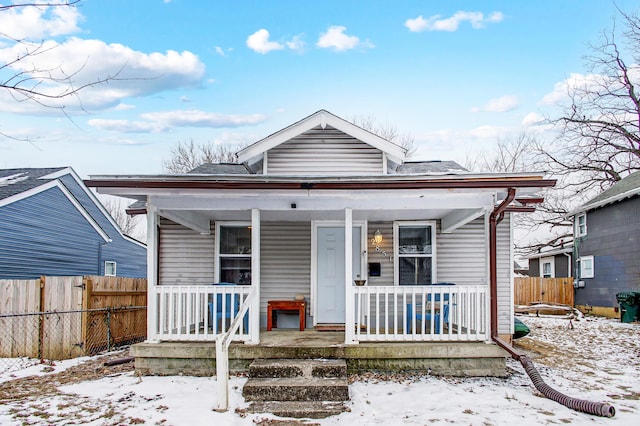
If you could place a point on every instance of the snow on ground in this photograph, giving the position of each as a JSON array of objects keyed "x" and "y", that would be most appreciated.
[{"x": 598, "y": 359}]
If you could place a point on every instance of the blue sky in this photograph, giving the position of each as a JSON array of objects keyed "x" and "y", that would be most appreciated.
[{"x": 456, "y": 75}]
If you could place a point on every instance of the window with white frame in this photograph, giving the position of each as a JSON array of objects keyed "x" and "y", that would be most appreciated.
[
  {"x": 110, "y": 268},
  {"x": 586, "y": 267},
  {"x": 547, "y": 268},
  {"x": 581, "y": 225},
  {"x": 234, "y": 253},
  {"x": 415, "y": 252}
]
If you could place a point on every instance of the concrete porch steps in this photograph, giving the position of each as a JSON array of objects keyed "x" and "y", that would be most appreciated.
[{"x": 300, "y": 388}]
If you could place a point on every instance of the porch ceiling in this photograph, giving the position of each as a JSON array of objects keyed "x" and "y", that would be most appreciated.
[{"x": 454, "y": 207}]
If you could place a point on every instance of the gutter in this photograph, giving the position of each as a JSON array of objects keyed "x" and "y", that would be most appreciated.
[
  {"x": 322, "y": 184},
  {"x": 595, "y": 408}
]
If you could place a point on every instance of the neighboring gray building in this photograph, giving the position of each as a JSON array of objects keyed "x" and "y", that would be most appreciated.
[
  {"x": 606, "y": 245},
  {"x": 51, "y": 224},
  {"x": 551, "y": 263}
]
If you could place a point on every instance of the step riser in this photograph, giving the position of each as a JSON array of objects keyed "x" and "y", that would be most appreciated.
[
  {"x": 296, "y": 393},
  {"x": 265, "y": 371},
  {"x": 298, "y": 388},
  {"x": 298, "y": 410}
]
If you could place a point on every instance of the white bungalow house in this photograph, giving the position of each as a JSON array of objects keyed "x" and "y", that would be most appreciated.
[{"x": 309, "y": 210}]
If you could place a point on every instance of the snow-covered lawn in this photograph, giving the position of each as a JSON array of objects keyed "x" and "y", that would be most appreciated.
[{"x": 598, "y": 359}]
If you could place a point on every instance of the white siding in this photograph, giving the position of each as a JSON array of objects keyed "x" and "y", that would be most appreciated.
[
  {"x": 462, "y": 255},
  {"x": 505, "y": 267},
  {"x": 285, "y": 262},
  {"x": 386, "y": 262},
  {"x": 324, "y": 152},
  {"x": 185, "y": 257}
]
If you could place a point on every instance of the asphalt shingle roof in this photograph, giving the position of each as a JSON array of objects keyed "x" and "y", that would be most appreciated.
[
  {"x": 220, "y": 169},
  {"x": 425, "y": 167},
  {"x": 16, "y": 181},
  {"x": 408, "y": 168},
  {"x": 626, "y": 185}
]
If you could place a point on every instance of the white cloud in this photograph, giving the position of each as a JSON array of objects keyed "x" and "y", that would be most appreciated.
[
  {"x": 219, "y": 51},
  {"x": 532, "y": 119},
  {"x": 131, "y": 73},
  {"x": 336, "y": 39},
  {"x": 184, "y": 99},
  {"x": 29, "y": 22},
  {"x": 437, "y": 23},
  {"x": 259, "y": 42},
  {"x": 124, "y": 107},
  {"x": 296, "y": 43},
  {"x": 154, "y": 122},
  {"x": 501, "y": 104},
  {"x": 488, "y": 132},
  {"x": 562, "y": 89}
]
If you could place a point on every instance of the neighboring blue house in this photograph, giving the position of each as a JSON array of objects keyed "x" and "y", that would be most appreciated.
[
  {"x": 606, "y": 247},
  {"x": 51, "y": 224}
]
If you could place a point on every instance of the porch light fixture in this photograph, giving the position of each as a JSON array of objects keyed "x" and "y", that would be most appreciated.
[{"x": 377, "y": 238}]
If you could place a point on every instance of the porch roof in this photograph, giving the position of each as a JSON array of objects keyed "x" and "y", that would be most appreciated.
[
  {"x": 194, "y": 200},
  {"x": 143, "y": 184}
]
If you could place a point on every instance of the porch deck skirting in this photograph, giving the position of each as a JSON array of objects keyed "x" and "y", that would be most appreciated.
[
  {"x": 425, "y": 313},
  {"x": 198, "y": 358}
]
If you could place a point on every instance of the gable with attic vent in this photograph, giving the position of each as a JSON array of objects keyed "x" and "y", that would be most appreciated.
[{"x": 327, "y": 151}]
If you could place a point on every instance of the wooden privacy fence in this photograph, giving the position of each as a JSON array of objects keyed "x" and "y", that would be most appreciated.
[
  {"x": 548, "y": 290},
  {"x": 65, "y": 317}
]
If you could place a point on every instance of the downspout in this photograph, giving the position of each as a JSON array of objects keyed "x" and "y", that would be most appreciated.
[{"x": 595, "y": 408}]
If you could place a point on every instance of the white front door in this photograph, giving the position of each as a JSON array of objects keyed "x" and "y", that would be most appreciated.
[{"x": 330, "y": 273}]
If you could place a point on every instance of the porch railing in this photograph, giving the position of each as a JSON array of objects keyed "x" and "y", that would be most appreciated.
[
  {"x": 222, "y": 354},
  {"x": 420, "y": 313},
  {"x": 198, "y": 312}
]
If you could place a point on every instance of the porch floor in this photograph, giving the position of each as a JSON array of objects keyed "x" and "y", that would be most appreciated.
[{"x": 442, "y": 358}]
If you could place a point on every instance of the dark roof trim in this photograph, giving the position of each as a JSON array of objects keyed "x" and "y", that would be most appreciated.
[{"x": 477, "y": 183}]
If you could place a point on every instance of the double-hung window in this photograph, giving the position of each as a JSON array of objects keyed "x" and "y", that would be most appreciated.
[
  {"x": 415, "y": 252},
  {"x": 581, "y": 225},
  {"x": 234, "y": 252},
  {"x": 547, "y": 269},
  {"x": 110, "y": 268},
  {"x": 586, "y": 267}
]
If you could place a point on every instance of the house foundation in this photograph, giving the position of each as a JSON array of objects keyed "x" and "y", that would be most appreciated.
[{"x": 442, "y": 358}]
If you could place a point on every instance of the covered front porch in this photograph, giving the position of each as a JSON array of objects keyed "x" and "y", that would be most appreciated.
[
  {"x": 293, "y": 237},
  {"x": 426, "y": 313}
]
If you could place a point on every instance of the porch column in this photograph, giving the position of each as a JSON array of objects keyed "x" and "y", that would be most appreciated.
[
  {"x": 254, "y": 318},
  {"x": 349, "y": 335},
  {"x": 152, "y": 273}
]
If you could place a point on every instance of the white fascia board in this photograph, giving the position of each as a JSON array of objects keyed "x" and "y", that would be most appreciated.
[
  {"x": 190, "y": 219},
  {"x": 95, "y": 200},
  {"x": 52, "y": 184},
  {"x": 312, "y": 200},
  {"x": 550, "y": 253},
  {"x": 604, "y": 202},
  {"x": 82, "y": 211},
  {"x": 458, "y": 218},
  {"x": 322, "y": 118}
]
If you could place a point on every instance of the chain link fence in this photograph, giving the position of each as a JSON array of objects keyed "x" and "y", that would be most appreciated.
[{"x": 26, "y": 339}]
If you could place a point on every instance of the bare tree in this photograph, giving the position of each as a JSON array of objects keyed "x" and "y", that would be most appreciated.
[
  {"x": 386, "y": 131},
  {"x": 548, "y": 225},
  {"x": 599, "y": 141},
  {"x": 129, "y": 225},
  {"x": 186, "y": 156},
  {"x": 42, "y": 86},
  {"x": 511, "y": 155}
]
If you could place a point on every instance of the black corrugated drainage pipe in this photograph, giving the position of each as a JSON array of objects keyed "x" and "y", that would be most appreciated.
[{"x": 595, "y": 408}]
